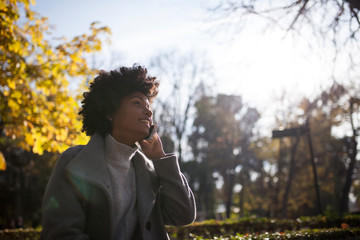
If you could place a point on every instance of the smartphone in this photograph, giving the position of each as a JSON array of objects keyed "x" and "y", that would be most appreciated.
[{"x": 152, "y": 131}]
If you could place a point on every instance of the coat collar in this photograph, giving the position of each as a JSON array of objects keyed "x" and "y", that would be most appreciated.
[{"x": 89, "y": 164}]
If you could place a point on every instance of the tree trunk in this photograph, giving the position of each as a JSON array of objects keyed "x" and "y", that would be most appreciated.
[
  {"x": 354, "y": 4},
  {"x": 229, "y": 194},
  {"x": 180, "y": 151},
  {"x": 351, "y": 146},
  {"x": 244, "y": 182},
  {"x": 209, "y": 200},
  {"x": 352, "y": 152},
  {"x": 241, "y": 200}
]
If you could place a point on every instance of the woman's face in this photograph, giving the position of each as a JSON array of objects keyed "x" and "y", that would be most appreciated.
[{"x": 132, "y": 120}]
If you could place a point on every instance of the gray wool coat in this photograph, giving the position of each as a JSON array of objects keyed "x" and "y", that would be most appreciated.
[{"x": 77, "y": 203}]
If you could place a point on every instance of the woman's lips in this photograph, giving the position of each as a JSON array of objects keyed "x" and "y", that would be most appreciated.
[{"x": 145, "y": 121}]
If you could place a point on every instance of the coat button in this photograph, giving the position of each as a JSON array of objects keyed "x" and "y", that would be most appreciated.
[{"x": 148, "y": 225}]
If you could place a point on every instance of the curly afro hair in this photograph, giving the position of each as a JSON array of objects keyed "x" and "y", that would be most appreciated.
[{"x": 106, "y": 92}]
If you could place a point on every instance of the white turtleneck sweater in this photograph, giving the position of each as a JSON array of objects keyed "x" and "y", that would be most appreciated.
[{"x": 118, "y": 160}]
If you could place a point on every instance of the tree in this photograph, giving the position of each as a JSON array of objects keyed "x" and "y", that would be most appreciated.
[
  {"x": 37, "y": 109},
  {"x": 199, "y": 169},
  {"x": 183, "y": 77},
  {"x": 351, "y": 150},
  {"x": 342, "y": 105},
  {"x": 222, "y": 132},
  {"x": 337, "y": 18},
  {"x": 345, "y": 105},
  {"x": 38, "y": 112},
  {"x": 335, "y": 154},
  {"x": 263, "y": 192}
]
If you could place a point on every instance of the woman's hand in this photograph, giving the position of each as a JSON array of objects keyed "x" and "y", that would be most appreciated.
[{"x": 153, "y": 148}]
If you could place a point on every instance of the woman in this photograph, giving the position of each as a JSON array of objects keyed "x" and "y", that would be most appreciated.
[{"x": 109, "y": 188}]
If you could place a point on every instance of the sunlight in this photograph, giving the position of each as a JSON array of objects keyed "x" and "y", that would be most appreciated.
[{"x": 260, "y": 67}]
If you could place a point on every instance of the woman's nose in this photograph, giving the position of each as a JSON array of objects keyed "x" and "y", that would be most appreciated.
[{"x": 148, "y": 112}]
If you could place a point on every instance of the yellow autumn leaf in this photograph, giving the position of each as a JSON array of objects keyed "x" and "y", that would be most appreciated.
[
  {"x": 29, "y": 139},
  {"x": 2, "y": 162},
  {"x": 11, "y": 84},
  {"x": 13, "y": 104}
]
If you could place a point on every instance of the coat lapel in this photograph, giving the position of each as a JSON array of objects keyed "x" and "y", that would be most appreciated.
[
  {"x": 89, "y": 164},
  {"x": 147, "y": 186}
]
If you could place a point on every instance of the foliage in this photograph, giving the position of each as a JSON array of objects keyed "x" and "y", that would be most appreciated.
[
  {"x": 223, "y": 129},
  {"x": 21, "y": 234},
  {"x": 24, "y": 189},
  {"x": 228, "y": 154},
  {"x": 38, "y": 112},
  {"x": 332, "y": 136},
  {"x": 304, "y": 225},
  {"x": 318, "y": 234}
]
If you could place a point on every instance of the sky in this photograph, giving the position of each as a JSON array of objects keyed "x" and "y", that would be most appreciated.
[{"x": 257, "y": 63}]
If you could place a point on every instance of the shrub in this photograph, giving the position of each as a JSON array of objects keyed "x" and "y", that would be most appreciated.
[
  {"x": 212, "y": 228},
  {"x": 20, "y": 234},
  {"x": 317, "y": 234},
  {"x": 319, "y": 227}
]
